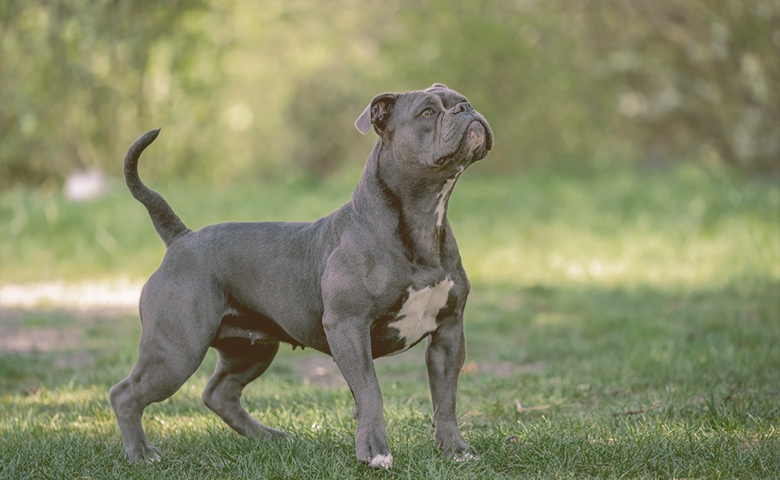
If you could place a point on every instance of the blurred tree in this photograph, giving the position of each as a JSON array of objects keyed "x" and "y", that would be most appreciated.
[
  {"x": 78, "y": 75},
  {"x": 522, "y": 64},
  {"x": 317, "y": 114},
  {"x": 244, "y": 90},
  {"x": 699, "y": 78}
]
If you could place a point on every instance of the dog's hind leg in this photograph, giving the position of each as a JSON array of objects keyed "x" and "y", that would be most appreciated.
[
  {"x": 240, "y": 362},
  {"x": 173, "y": 343},
  {"x": 156, "y": 376}
]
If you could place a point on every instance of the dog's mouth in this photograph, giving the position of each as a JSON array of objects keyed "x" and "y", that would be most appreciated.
[
  {"x": 475, "y": 143},
  {"x": 475, "y": 136}
]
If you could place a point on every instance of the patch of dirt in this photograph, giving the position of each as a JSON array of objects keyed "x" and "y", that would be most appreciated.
[
  {"x": 40, "y": 340},
  {"x": 97, "y": 301},
  {"x": 119, "y": 294},
  {"x": 29, "y": 317},
  {"x": 320, "y": 370},
  {"x": 502, "y": 369}
]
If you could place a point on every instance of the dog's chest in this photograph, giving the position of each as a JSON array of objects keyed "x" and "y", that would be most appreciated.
[{"x": 417, "y": 315}]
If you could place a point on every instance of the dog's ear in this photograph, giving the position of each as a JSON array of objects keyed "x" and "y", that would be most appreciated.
[{"x": 376, "y": 113}]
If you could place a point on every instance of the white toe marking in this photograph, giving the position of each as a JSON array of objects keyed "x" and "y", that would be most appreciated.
[
  {"x": 465, "y": 457},
  {"x": 381, "y": 461}
]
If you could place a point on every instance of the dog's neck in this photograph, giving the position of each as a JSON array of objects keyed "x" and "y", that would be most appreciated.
[{"x": 417, "y": 212}]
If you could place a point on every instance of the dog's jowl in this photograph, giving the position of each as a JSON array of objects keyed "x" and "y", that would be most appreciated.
[{"x": 373, "y": 278}]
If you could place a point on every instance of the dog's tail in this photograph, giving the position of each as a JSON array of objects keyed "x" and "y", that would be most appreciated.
[{"x": 168, "y": 225}]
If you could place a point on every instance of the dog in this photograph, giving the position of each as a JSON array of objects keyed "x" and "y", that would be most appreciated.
[{"x": 372, "y": 279}]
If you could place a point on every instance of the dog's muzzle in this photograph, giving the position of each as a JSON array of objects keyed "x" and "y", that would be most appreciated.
[{"x": 475, "y": 135}]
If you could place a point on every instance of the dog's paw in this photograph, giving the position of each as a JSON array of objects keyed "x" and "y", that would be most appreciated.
[
  {"x": 281, "y": 437},
  {"x": 381, "y": 461},
  {"x": 267, "y": 433},
  {"x": 145, "y": 454}
]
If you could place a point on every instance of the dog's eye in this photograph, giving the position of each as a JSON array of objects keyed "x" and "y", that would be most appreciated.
[{"x": 426, "y": 113}]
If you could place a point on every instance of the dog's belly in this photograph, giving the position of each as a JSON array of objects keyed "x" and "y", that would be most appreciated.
[{"x": 414, "y": 320}]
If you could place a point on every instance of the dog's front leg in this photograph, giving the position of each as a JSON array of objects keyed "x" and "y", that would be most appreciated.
[
  {"x": 350, "y": 344},
  {"x": 444, "y": 357}
]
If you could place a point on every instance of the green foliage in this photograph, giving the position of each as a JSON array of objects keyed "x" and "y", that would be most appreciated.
[
  {"x": 611, "y": 224},
  {"x": 81, "y": 77},
  {"x": 245, "y": 92},
  {"x": 631, "y": 313},
  {"x": 696, "y": 78}
]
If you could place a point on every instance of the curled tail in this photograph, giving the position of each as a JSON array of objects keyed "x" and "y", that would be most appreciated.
[{"x": 168, "y": 225}]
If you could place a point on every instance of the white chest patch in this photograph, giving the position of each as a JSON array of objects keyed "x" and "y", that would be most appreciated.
[
  {"x": 417, "y": 316},
  {"x": 444, "y": 195}
]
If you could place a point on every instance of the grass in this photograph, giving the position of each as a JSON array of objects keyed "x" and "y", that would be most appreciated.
[{"x": 623, "y": 323}]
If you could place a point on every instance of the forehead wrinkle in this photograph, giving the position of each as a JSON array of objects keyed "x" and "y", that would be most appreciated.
[
  {"x": 451, "y": 98},
  {"x": 446, "y": 97},
  {"x": 421, "y": 101}
]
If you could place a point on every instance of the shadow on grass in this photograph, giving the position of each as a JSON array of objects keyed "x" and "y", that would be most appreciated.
[
  {"x": 631, "y": 382},
  {"x": 637, "y": 335}
]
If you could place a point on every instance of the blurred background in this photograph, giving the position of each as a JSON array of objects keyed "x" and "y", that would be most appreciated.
[
  {"x": 252, "y": 90},
  {"x": 622, "y": 239}
]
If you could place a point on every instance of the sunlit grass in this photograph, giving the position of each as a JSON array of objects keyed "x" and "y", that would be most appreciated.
[
  {"x": 633, "y": 315},
  {"x": 606, "y": 227},
  {"x": 621, "y": 229}
]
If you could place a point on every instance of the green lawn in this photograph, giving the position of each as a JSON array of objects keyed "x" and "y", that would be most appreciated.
[{"x": 622, "y": 323}]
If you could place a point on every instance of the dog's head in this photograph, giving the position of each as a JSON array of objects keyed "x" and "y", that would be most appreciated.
[{"x": 436, "y": 128}]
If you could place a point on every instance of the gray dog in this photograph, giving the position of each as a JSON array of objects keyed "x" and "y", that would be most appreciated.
[{"x": 371, "y": 279}]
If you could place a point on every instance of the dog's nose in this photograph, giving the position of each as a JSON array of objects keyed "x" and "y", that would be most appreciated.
[{"x": 462, "y": 107}]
